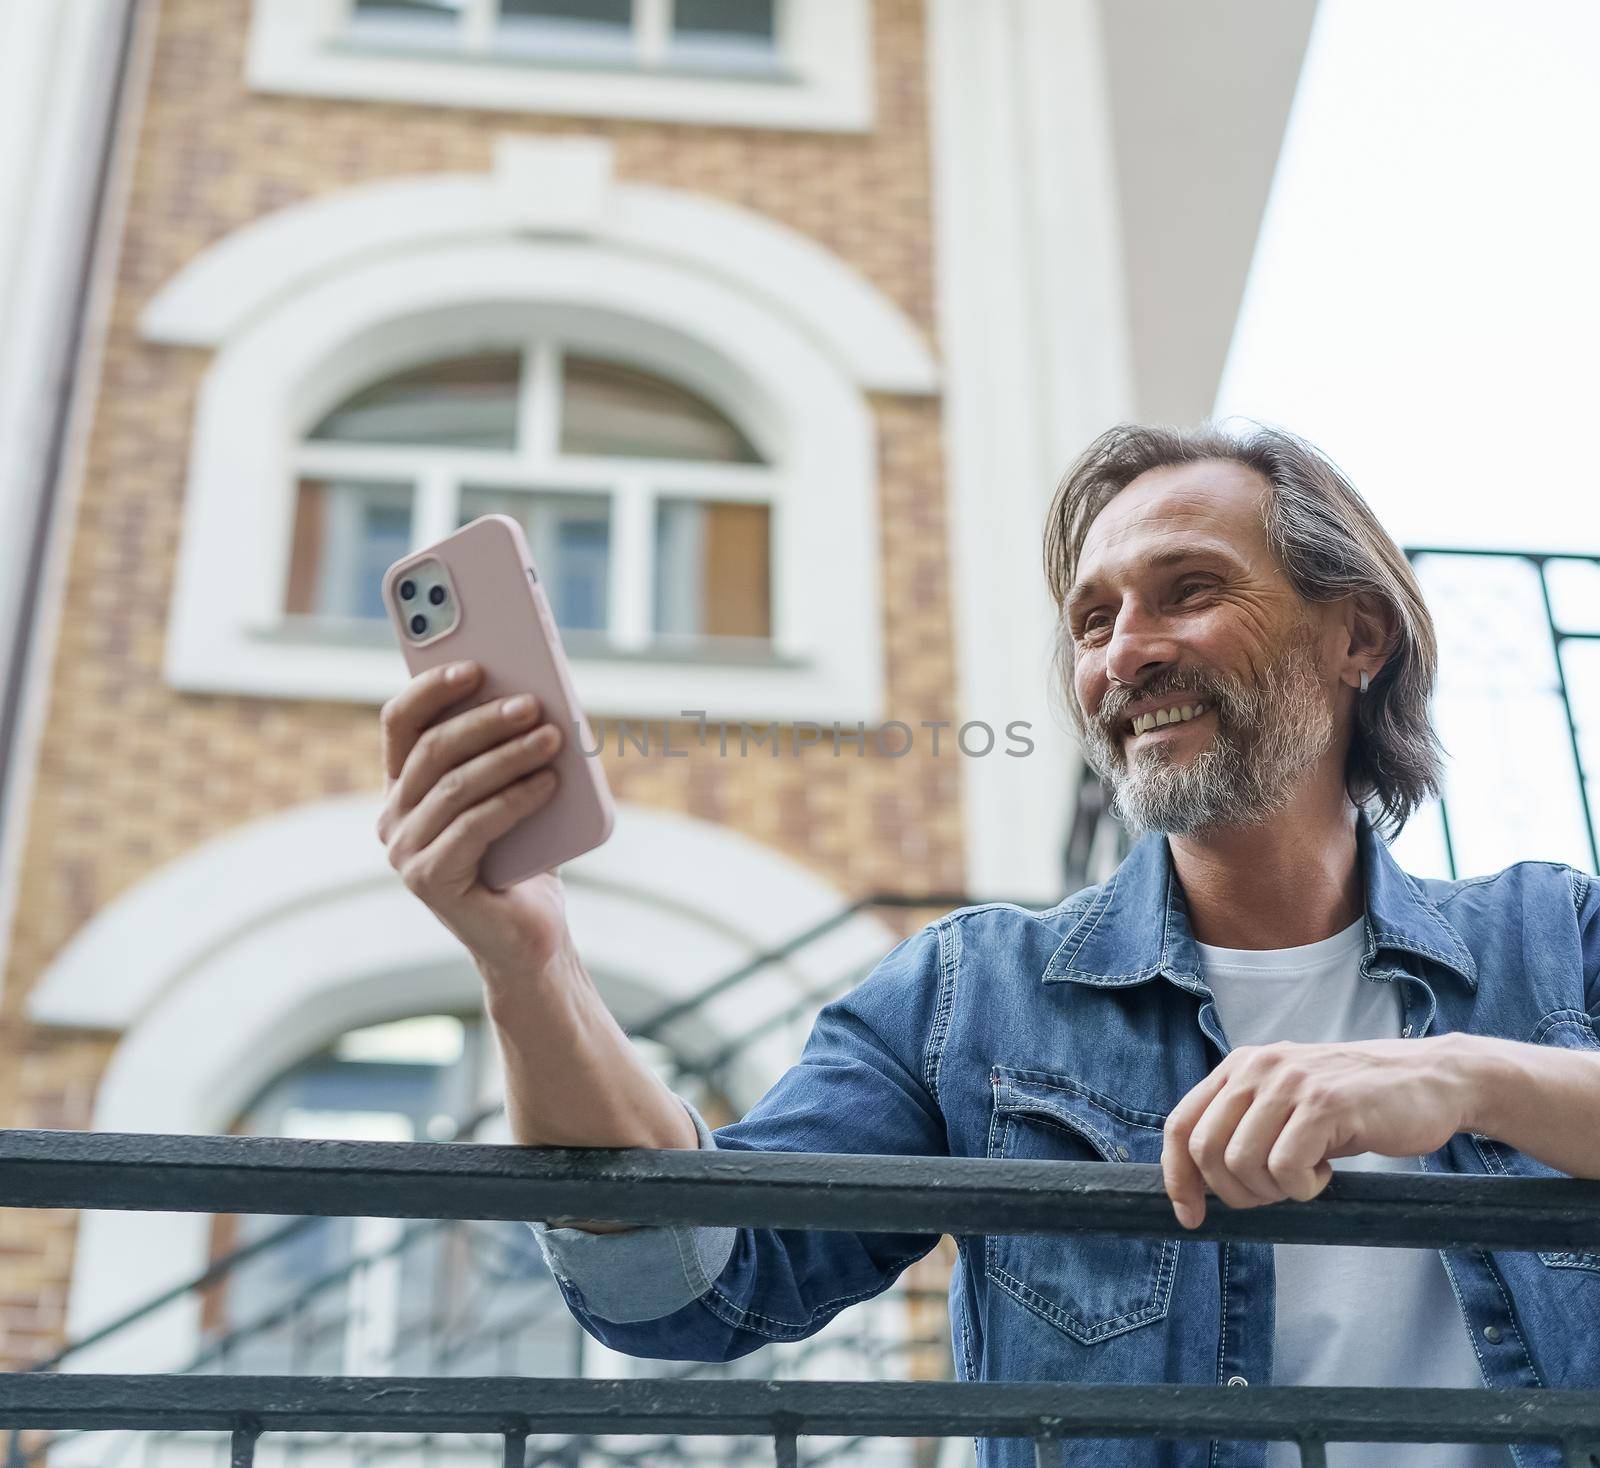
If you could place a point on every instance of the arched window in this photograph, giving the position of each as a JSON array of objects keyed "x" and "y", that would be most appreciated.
[
  {"x": 647, "y": 507},
  {"x": 387, "y": 1296},
  {"x": 672, "y": 393}
]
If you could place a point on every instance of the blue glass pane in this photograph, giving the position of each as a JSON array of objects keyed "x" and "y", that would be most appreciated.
[
  {"x": 582, "y": 557},
  {"x": 386, "y": 536},
  {"x": 407, "y": 22},
  {"x": 731, "y": 35},
  {"x": 347, "y": 533},
  {"x": 576, "y": 31}
]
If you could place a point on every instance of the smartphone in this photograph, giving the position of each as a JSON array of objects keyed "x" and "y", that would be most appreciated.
[{"x": 476, "y": 594}]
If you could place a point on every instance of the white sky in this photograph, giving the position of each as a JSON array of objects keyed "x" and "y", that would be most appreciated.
[{"x": 1425, "y": 306}]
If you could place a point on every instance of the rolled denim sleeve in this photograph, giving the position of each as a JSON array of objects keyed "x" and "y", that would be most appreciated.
[
  {"x": 866, "y": 1082},
  {"x": 646, "y": 1272}
]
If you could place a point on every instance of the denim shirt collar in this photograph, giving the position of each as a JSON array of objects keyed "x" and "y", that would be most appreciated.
[{"x": 1117, "y": 940}]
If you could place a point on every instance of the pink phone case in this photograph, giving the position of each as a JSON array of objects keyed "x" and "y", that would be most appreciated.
[{"x": 503, "y": 622}]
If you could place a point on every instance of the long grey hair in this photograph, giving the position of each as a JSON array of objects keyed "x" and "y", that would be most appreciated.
[{"x": 1329, "y": 544}]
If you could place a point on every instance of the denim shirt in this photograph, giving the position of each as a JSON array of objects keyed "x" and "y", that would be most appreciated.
[{"x": 1070, "y": 1034}]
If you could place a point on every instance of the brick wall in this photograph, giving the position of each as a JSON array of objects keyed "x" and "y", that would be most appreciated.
[{"x": 134, "y": 774}]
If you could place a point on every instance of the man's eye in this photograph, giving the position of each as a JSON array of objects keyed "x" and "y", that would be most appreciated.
[{"x": 1190, "y": 587}]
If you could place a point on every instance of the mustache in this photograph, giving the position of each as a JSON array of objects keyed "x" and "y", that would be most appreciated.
[{"x": 1115, "y": 705}]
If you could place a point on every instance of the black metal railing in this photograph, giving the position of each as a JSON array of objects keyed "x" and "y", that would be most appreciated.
[
  {"x": 309, "y": 1333},
  {"x": 710, "y": 1070},
  {"x": 956, "y": 1195}
]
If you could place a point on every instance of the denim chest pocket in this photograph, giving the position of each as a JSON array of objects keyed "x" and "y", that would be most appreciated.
[{"x": 1090, "y": 1288}]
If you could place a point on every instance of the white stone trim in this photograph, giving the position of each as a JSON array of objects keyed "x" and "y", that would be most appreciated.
[
  {"x": 555, "y": 187},
  {"x": 1034, "y": 334},
  {"x": 274, "y": 378},
  {"x": 826, "y": 85},
  {"x": 268, "y": 942},
  {"x": 315, "y": 300}
]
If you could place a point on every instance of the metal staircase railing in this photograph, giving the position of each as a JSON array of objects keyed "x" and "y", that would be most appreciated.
[{"x": 234, "y": 1342}]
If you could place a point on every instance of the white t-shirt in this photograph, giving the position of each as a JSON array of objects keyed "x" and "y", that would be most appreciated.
[{"x": 1348, "y": 1316}]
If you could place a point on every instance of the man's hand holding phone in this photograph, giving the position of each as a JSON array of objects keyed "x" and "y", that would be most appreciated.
[{"x": 454, "y": 782}]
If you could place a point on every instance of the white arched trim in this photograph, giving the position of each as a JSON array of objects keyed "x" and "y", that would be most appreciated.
[
  {"x": 227, "y": 633},
  {"x": 321, "y": 298},
  {"x": 560, "y": 188},
  {"x": 266, "y": 944}
]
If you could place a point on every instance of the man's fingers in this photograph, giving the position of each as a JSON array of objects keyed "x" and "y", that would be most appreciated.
[
  {"x": 1211, "y": 1139},
  {"x": 1246, "y": 1155},
  {"x": 449, "y": 864},
  {"x": 473, "y": 781},
  {"x": 1298, "y": 1159},
  {"x": 416, "y": 706},
  {"x": 1182, "y": 1178}
]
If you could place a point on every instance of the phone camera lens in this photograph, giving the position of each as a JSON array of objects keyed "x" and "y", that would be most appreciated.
[
  {"x": 419, "y": 624},
  {"x": 436, "y": 594},
  {"x": 408, "y": 589}
]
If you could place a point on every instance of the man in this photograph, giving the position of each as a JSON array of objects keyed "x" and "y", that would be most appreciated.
[{"x": 1256, "y": 996}]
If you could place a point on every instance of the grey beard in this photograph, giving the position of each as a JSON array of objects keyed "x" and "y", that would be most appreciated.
[{"x": 1237, "y": 780}]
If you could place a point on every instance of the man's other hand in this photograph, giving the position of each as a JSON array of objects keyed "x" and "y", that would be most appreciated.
[{"x": 1264, "y": 1124}]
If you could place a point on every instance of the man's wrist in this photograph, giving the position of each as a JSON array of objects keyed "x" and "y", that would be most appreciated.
[
  {"x": 1487, "y": 1067},
  {"x": 508, "y": 988}
]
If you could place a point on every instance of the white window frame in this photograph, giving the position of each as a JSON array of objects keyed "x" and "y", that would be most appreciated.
[
  {"x": 229, "y": 630},
  {"x": 824, "y": 83},
  {"x": 631, "y": 488},
  {"x": 305, "y": 306}
]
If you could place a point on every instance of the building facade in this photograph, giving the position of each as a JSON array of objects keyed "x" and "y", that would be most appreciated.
[{"x": 773, "y": 323}]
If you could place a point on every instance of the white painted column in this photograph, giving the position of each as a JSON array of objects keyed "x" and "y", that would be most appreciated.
[
  {"x": 1034, "y": 330},
  {"x": 58, "y": 68}
]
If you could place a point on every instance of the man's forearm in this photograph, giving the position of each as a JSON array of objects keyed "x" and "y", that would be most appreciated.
[
  {"x": 1541, "y": 1099},
  {"x": 572, "y": 1076}
]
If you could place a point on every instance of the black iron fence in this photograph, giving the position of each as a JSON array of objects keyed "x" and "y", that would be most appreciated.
[
  {"x": 43, "y": 1169},
  {"x": 708, "y": 1070}
]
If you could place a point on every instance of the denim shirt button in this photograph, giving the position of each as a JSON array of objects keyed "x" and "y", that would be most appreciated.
[
  {"x": 1237, "y": 1381},
  {"x": 1405, "y": 1033},
  {"x": 1122, "y": 1153},
  {"x": 1491, "y": 1333}
]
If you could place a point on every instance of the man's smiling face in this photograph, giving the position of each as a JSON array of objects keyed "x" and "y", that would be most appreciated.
[{"x": 1198, "y": 669}]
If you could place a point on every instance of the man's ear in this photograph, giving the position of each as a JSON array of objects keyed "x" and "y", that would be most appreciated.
[{"x": 1374, "y": 629}]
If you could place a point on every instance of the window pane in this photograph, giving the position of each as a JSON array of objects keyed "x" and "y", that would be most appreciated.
[
  {"x": 713, "y": 569},
  {"x": 346, "y": 535},
  {"x": 570, "y": 537},
  {"x": 1511, "y": 783},
  {"x": 408, "y": 22},
  {"x": 460, "y": 402},
  {"x": 607, "y": 408},
  {"x": 569, "y": 30},
  {"x": 1574, "y": 593},
  {"x": 361, "y": 1287},
  {"x": 725, "y": 34}
]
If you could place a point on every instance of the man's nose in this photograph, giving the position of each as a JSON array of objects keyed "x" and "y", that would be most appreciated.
[{"x": 1139, "y": 647}]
